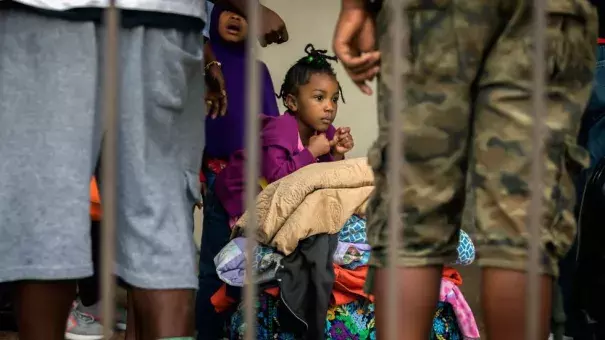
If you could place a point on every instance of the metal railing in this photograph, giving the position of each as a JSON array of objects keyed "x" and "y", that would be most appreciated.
[
  {"x": 400, "y": 32},
  {"x": 108, "y": 163}
]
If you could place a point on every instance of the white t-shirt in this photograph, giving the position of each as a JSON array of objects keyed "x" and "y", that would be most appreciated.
[
  {"x": 209, "y": 7},
  {"x": 193, "y": 8}
]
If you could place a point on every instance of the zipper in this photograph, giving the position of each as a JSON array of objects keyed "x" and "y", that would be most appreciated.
[{"x": 281, "y": 296}]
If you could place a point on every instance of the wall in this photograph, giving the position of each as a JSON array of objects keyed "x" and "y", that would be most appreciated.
[{"x": 313, "y": 21}]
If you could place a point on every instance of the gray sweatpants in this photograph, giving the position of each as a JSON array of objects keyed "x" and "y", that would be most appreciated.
[{"x": 50, "y": 134}]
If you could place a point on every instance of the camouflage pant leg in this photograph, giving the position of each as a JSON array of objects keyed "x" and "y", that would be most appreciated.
[
  {"x": 502, "y": 144},
  {"x": 469, "y": 69}
]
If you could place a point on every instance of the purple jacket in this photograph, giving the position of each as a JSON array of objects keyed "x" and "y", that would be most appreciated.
[
  {"x": 225, "y": 135},
  {"x": 280, "y": 157}
]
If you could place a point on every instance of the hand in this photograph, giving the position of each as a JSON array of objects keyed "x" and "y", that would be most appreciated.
[
  {"x": 319, "y": 145},
  {"x": 216, "y": 96},
  {"x": 273, "y": 28},
  {"x": 355, "y": 44},
  {"x": 343, "y": 141}
]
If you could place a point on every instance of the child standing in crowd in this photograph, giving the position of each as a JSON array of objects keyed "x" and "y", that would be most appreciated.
[{"x": 224, "y": 135}]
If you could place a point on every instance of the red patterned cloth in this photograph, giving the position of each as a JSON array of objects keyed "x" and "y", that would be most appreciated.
[{"x": 215, "y": 165}]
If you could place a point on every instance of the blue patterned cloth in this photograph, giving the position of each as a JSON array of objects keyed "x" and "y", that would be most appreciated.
[
  {"x": 354, "y": 231},
  {"x": 466, "y": 249}
]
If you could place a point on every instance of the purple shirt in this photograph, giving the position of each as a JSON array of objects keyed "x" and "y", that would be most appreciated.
[
  {"x": 280, "y": 157},
  {"x": 225, "y": 135}
]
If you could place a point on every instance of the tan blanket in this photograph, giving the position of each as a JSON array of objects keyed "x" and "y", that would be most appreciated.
[{"x": 316, "y": 199}]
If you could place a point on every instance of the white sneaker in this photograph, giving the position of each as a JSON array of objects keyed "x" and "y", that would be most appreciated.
[{"x": 82, "y": 325}]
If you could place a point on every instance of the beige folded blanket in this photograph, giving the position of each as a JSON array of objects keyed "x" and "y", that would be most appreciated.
[{"x": 316, "y": 199}]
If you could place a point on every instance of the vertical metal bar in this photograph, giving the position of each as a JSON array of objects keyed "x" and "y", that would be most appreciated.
[
  {"x": 110, "y": 115},
  {"x": 252, "y": 163},
  {"x": 399, "y": 38},
  {"x": 537, "y": 169}
]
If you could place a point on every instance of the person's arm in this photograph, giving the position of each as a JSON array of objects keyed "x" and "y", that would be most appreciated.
[
  {"x": 216, "y": 95},
  {"x": 354, "y": 43},
  {"x": 270, "y": 107},
  {"x": 277, "y": 163}
]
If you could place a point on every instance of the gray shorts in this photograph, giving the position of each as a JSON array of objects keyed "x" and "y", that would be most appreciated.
[{"x": 50, "y": 135}]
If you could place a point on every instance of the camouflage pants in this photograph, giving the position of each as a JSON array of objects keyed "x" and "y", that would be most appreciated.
[{"x": 468, "y": 118}]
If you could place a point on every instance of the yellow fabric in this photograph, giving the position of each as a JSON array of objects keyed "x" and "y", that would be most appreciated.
[
  {"x": 316, "y": 199},
  {"x": 263, "y": 183}
]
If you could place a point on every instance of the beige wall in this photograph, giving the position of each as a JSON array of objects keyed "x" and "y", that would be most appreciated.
[{"x": 313, "y": 21}]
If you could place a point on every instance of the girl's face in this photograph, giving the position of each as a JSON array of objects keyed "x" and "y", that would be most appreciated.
[
  {"x": 317, "y": 101},
  {"x": 232, "y": 27}
]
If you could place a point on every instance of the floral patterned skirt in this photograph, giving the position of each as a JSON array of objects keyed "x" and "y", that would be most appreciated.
[
  {"x": 445, "y": 324},
  {"x": 353, "y": 321}
]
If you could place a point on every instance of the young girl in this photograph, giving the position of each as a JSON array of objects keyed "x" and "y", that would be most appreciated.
[
  {"x": 224, "y": 135},
  {"x": 301, "y": 136}
]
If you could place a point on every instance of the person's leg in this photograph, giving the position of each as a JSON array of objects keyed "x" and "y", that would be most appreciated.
[
  {"x": 503, "y": 153},
  {"x": 42, "y": 308},
  {"x": 47, "y": 91},
  {"x": 161, "y": 143},
  {"x": 131, "y": 323},
  {"x": 215, "y": 235},
  {"x": 436, "y": 126}
]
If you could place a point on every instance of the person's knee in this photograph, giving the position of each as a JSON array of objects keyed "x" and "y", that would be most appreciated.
[{"x": 169, "y": 312}]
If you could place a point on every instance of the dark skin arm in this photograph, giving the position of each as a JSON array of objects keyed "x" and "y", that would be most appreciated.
[
  {"x": 216, "y": 96},
  {"x": 273, "y": 29}
]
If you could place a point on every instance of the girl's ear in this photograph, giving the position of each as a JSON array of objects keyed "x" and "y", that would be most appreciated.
[{"x": 291, "y": 104}]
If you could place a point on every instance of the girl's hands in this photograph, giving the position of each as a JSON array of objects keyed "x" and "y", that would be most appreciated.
[
  {"x": 343, "y": 142},
  {"x": 319, "y": 145}
]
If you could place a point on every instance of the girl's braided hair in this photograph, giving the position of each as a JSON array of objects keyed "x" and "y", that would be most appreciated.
[{"x": 316, "y": 61}]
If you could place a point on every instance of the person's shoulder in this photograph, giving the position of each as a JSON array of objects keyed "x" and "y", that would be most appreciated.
[
  {"x": 281, "y": 130},
  {"x": 282, "y": 122},
  {"x": 263, "y": 67}
]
